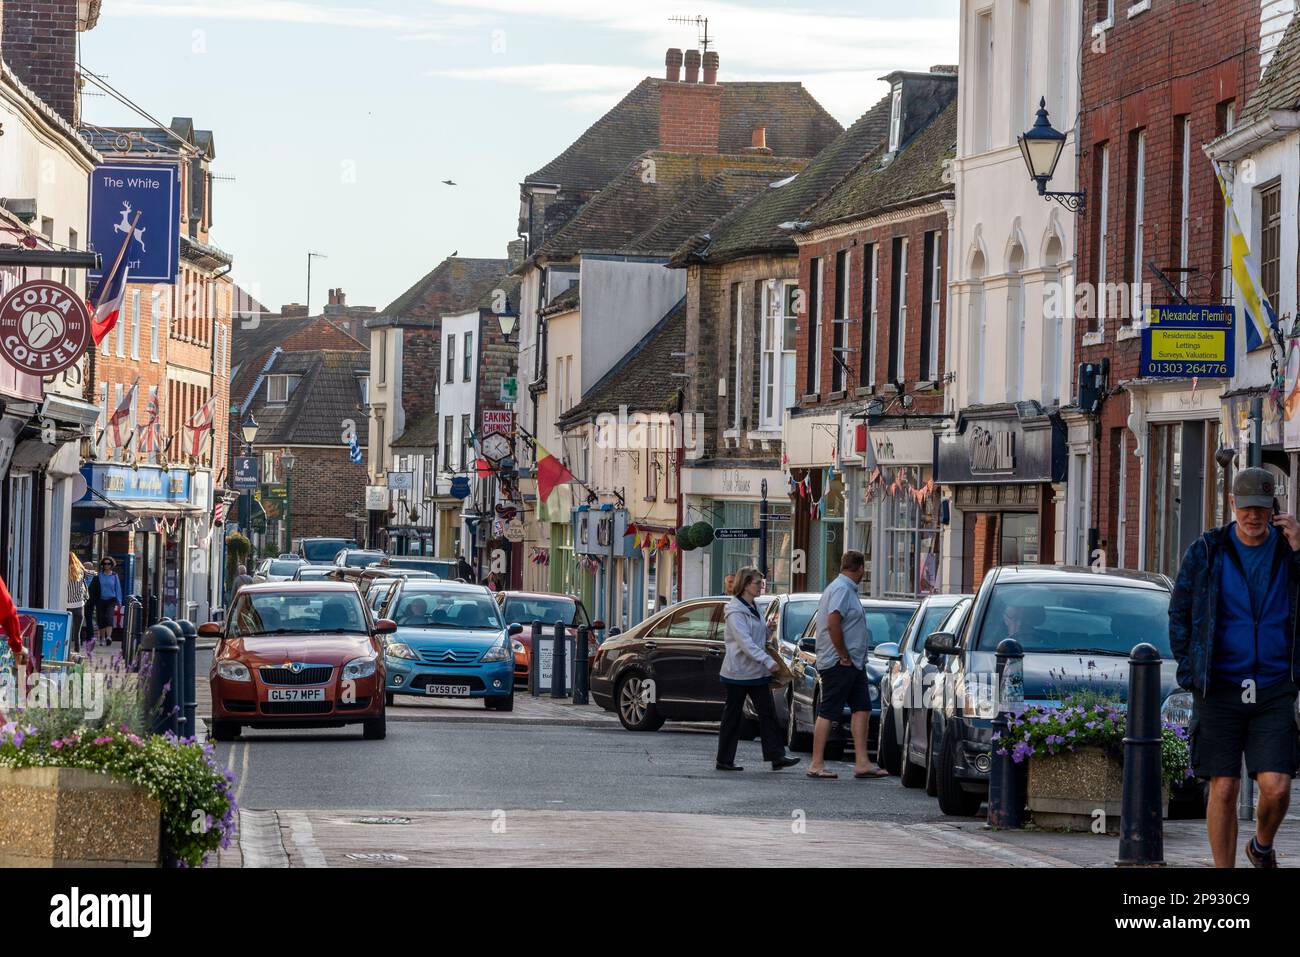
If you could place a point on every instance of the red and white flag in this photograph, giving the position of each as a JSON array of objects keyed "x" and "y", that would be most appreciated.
[
  {"x": 150, "y": 434},
  {"x": 198, "y": 427},
  {"x": 119, "y": 424}
]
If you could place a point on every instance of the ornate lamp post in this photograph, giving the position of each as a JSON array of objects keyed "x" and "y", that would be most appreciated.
[
  {"x": 1041, "y": 148},
  {"x": 288, "y": 460}
]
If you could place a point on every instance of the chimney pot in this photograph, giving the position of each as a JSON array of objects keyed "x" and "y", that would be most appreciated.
[
  {"x": 711, "y": 61},
  {"x": 760, "y": 138},
  {"x": 692, "y": 66},
  {"x": 674, "y": 63},
  {"x": 341, "y": 296}
]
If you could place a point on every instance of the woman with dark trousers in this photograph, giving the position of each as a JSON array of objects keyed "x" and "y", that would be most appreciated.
[
  {"x": 106, "y": 594},
  {"x": 747, "y": 672}
]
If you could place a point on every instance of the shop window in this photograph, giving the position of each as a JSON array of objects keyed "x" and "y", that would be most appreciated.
[{"x": 911, "y": 533}]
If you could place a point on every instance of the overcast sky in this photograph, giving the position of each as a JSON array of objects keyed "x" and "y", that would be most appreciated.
[{"x": 336, "y": 121}]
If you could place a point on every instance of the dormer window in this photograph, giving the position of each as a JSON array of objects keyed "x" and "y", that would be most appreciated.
[
  {"x": 280, "y": 387},
  {"x": 896, "y": 118},
  {"x": 363, "y": 383}
]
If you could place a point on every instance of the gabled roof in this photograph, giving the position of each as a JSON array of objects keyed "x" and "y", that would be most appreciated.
[
  {"x": 326, "y": 395},
  {"x": 251, "y": 345},
  {"x": 687, "y": 192},
  {"x": 755, "y": 227},
  {"x": 455, "y": 285},
  {"x": 421, "y": 433},
  {"x": 647, "y": 378},
  {"x": 797, "y": 125},
  {"x": 916, "y": 172},
  {"x": 1279, "y": 87}
]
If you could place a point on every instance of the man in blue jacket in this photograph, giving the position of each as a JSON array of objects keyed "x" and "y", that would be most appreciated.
[{"x": 1232, "y": 626}]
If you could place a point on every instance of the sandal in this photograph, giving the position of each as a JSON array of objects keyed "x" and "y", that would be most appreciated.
[
  {"x": 876, "y": 772},
  {"x": 823, "y": 773}
]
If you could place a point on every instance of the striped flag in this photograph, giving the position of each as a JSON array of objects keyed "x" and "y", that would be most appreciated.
[
  {"x": 1260, "y": 317},
  {"x": 354, "y": 451},
  {"x": 105, "y": 302}
]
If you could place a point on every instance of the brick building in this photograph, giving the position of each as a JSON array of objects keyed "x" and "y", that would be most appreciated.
[{"x": 1153, "y": 231}]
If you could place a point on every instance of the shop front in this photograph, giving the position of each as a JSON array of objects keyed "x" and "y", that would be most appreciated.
[
  {"x": 732, "y": 497},
  {"x": 997, "y": 469},
  {"x": 816, "y": 489},
  {"x": 603, "y": 553}
]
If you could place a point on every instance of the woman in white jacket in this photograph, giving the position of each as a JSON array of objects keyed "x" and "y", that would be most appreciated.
[{"x": 747, "y": 672}]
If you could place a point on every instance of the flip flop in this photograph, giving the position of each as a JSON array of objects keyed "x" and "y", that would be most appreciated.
[
  {"x": 823, "y": 773},
  {"x": 876, "y": 772}
]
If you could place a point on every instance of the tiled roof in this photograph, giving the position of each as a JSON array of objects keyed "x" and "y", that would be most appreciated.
[
  {"x": 1279, "y": 88},
  {"x": 326, "y": 395},
  {"x": 754, "y": 227},
  {"x": 916, "y": 172},
  {"x": 507, "y": 284},
  {"x": 653, "y": 208},
  {"x": 647, "y": 378},
  {"x": 455, "y": 285},
  {"x": 566, "y": 301},
  {"x": 421, "y": 433},
  {"x": 251, "y": 345},
  {"x": 797, "y": 125}
]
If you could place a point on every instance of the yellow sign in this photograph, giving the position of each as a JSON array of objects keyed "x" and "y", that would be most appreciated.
[{"x": 1189, "y": 345}]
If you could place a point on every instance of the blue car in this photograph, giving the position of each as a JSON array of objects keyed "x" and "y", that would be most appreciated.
[{"x": 450, "y": 642}]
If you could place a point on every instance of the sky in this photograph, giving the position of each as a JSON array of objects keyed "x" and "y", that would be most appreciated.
[{"x": 335, "y": 122}]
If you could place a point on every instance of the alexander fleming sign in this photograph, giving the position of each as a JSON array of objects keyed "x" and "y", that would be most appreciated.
[{"x": 44, "y": 327}]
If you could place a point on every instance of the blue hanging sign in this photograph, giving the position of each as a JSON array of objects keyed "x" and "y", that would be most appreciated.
[{"x": 118, "y": 193}]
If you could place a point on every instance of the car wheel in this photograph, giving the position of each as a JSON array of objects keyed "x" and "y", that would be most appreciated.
[
  {"x": 911, "y": 774},
  {"x": 224, "y": 730},
  {"x": 375, "y": 729},
  {"x": 795, "y": 739},
  {"x": 888, "y": 753},
  {"x": 954, "y": 801},
  {"x": 636, "y": 711},
  {"x": 389, "y": 698},
  {"x": 501, "y": 704},
  {"x": 931, "y": 766}
]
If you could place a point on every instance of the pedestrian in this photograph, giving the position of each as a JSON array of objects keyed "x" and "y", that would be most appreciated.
[
  {"x": 106, "y": 595},
  {"x": 1232, "y": 624},
  {"x": 241, "y": 579},
  {"x": 464, "y": 571},
  {"x": 843, "y": 643},
  {"x": 747, "y": 672},
  {"x": 77, "y": 595},
  {"x": 728, "y": 584}
]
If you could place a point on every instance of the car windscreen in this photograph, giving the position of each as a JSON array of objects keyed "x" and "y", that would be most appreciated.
[
  {"x": 931, "y": 618},
  {"x": 441, "y": 569},
  {"x": 887, "y": 624},
  {"x": 432, "y": 609},
  {"x": 797, "y": 616},
  {"x": 312, "y": 574},
  {"x": 362, "y": 559},
  {"x": 283, "y": 568},
  {"x": 297, "y": 612},
  {"x": 324, "y": 549},
  {"x": 1076, "y": 619},
  {"x": 548, "y": 611}
]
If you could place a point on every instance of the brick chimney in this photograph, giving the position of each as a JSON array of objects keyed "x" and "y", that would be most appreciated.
[
  {"x": 692, "y": 66},
  {"x": 673, "y": 60},
  {"x": 758, "y": 142},
  {"x": 515, "y": 250},
  {"x": 40, "y": 46},
  {"x": 711, "y": 61}
]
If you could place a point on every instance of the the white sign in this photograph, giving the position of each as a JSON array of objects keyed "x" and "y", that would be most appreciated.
[
  {"x": 401, "y": 481},
  {"x": 376, "y": 498}
]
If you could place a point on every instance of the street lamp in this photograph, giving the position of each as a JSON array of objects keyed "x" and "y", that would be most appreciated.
[
  {"x": 249, "y": 430},
  {"x": 1041, "y": 148},
  {"x": 507, "y": 320},
  {"x": 288, "y": 460}
]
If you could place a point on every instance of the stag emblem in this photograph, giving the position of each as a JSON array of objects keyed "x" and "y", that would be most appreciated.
[{"x": 125, "y": 226}]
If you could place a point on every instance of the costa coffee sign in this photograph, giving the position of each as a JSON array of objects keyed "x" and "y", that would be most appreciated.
[{"x": 44, "y": 327}]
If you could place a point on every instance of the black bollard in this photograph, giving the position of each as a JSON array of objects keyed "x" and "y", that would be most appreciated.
[
  {"x": 189, "y": 685},
  {"x": 164, "y": 654},
  {"x": 174, "y": 627},
  {"x": 580, "y": 666},
  {"x": 558, "y": 656},
  {"x": 1007, "y": 784},
  {"x": 1141, "y": 821},
  {"x": 534, "y": 656}
]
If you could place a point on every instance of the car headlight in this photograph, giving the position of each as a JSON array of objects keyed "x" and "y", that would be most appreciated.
[
  {"x": 517, "y": 646},
  {"x": 399, "y": 649},
  {"x": 874, "y": 691},
  {"x": 498, "y": 652},
  {"x": 1177, "y": 708},
  {"x": 359, "y": 668},
  {"x": 233, "y": 671}
]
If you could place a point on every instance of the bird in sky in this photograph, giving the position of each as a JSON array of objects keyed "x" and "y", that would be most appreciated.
[{"x": 447, "y": 182}]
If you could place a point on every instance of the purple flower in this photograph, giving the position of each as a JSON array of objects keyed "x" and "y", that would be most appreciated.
[
  {"x": 103, "y": 740},
  {"x": 56, "y": 745}
]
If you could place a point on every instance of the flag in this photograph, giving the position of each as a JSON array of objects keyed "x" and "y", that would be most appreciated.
[
  {"x": 105, "y": 302},
  {"x": 9, "y": 619},
  {"x": 354, "y": 451},
  {"x": 1260, "y": 318},
  {"x": 150, "y": 436},
  {"x": 120, "y": 421},
  {"x": 550, "y": 473},
  {"x": 199, "y": 425}
]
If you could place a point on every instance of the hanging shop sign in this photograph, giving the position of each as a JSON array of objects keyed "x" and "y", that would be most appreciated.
[
  {"x": 140, "y": 201},
  {"x": 377, "y": 498},
  {"x": 509, "y": 390},
  {"x": 44, "y": 327},
  {"x": 1005, "y": 448},
  {"x": 498, "y": 421},
  {"x": 734, "y": 534},
  {"x": 1188, "y": 341},
  {"x": 460, "y": 486},
  {"x": 247, "y": 475},
  {"x": 401, "y": 481}
]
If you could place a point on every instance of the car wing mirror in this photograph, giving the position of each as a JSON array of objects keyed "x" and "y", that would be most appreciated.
[
  {"x": 385, "y": 626},
  {"x": 808, "y": 644},
  {"x": 942, "y": 643},
  {"x": 888, "y": 650},
  {"x": 515, "y": 629},
  {"x": 210, "y": 630}
]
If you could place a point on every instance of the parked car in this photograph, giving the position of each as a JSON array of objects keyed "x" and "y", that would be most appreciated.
[
  {"x": 277, "y": 569},
  {"x": 315, "y": 573},
  {"x": 377, "y": 594},
  {"x": 443, "y": 568},
  {"x": 524, "y": 608},
  {"x": 886, "y": 620},
  {"x": 450, "y": 642},
  {"x": 297, "y": 655},
  {"x": 1077, "y": 627},
  {"x": 358, "y": 557},
  {"x": 787, "y": 617},
  {"x": 897, "y": 690},
  {"x": 321, "y": 551}
]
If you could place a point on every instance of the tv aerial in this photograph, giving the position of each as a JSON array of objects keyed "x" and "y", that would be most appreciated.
[{"x": 702, "y": 26}]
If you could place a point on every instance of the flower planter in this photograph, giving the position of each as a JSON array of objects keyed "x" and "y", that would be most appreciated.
[
  {"x": 1066, "y": 790},
  {"x": 70, "y": 817}
]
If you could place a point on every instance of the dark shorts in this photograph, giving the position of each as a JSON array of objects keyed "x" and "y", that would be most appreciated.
[
  {"x": 1224, "y": 727},
  {"x": 841, "y": 685}
]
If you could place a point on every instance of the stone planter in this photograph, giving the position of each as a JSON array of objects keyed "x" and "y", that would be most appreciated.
[
  {"x": 70, "y": 817},
  {"x": 1066, "y": 790}
]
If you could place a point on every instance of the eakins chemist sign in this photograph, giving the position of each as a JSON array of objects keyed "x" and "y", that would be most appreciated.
[{"x": 44, "y": 327}]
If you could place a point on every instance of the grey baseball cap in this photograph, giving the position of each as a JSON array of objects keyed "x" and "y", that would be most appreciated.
[{"x": 1253, "y": 488}]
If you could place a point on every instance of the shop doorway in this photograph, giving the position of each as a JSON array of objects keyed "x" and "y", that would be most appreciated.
[{"x": 998, "y": 538}]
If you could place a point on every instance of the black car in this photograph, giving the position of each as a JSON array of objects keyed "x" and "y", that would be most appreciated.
[
  {"x": 887, "y": 621},
  {"x": 1077, "y": 627},
  {"x": 667, "y": 667}
]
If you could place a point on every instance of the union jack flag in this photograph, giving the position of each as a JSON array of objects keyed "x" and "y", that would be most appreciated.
[{"x": 150, "y": 434}]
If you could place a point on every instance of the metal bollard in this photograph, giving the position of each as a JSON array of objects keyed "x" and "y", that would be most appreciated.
[
  {"x": 534, "y": 654},
  {"x": 174, "y": 627},
  {"x": 580, "y": 666},
  {"x": 1141, "y": 824},
  {"x": 1007, "y": 784},
  {"x": 164, "y": 654},
  {"x": 558, "y": 656},
  {"x": 189, "y": 700}
]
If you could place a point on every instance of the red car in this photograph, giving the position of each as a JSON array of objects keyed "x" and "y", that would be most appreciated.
[
  {"x": 526, "y": 607},
  {"x": 298, "y": 655}
]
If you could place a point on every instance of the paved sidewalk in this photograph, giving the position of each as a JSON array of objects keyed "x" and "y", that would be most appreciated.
[{"x": 528, "y": 710}]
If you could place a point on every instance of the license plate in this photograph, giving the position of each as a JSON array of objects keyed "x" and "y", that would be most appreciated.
[
  {"x": 295, "y": 694},
  {"x": 447, "y": 691}
]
